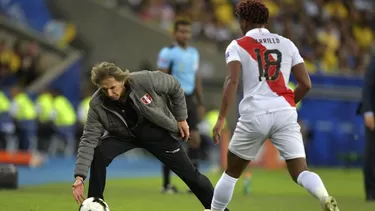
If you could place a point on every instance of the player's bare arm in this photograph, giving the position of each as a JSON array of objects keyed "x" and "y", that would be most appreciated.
[
  {"x": 229, "y": 93},
  {"x": 304, "y": 83},
  {"x": 230, "y": 87}
]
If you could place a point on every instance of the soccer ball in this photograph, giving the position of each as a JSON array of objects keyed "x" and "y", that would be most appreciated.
[{"x": 94, "y": 204}]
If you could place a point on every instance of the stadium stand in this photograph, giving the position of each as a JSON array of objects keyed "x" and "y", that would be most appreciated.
[
  {"x": 35, "y": 63},
  {"x": 41, "y": 62},
  {"x": 337, "y": 47},
  {"x": 334, "y": 36},
  {"x": 334, "y": 50},
  {"x": 323, "y": 53},
  {"x": 22, "y": 61}
]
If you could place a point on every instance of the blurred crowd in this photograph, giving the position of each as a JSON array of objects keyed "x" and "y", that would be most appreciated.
[
  {"x": 334, "y": 36},
  {"x": 20, "y": 62},
  {"x": 47, "y": 123}
]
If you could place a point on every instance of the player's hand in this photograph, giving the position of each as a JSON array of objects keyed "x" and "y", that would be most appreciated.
[
  {"x": 370, "y": 122},
  {"x": 217, "y": 130},
  {"x": 201, "y": 112},
  {"x": 78, "y": 189},
  {"x": 184, "y": 130}
]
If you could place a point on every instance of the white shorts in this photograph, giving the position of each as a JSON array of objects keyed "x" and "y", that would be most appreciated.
[{"x": 280, "y": 126}]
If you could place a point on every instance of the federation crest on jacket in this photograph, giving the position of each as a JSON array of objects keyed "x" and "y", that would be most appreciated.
[{"x": 146, "y": 99}]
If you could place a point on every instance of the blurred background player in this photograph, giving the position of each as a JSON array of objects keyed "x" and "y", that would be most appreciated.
[
  {"x": 268, "y": 108},
  {"x": 182, "y": 62},
  {"x": 367, "y": 110}
]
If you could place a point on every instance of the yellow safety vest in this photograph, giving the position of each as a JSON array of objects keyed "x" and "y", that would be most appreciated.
[
  {"x": 25, "y": 107},
  {"x": 64, "y": 111},
  {"x": 4, "y": 103},
  {"x": 84, "y": 107},
  {"x": 45, "y": 101},
  {"x": 293, "y": 87}
]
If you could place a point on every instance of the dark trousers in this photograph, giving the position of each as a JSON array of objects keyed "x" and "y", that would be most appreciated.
[
  {"x": 158, "y": 142},
  {"x": 26, "y": 133},
  {"x": 193, "y": 153},
  {"x": 2, "y": 140},
  {"x": 45, "y": 133},
  {"x": 369, "y": 164}
]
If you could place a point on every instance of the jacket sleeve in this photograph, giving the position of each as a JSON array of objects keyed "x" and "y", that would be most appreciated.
[
  {"x": 369, "y": 88},
  {"x": 92, "y": 131},
  {"x": 165, "y": 84}
]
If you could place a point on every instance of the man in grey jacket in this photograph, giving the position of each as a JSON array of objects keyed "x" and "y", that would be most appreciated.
[{"x": 135, "y": 110}]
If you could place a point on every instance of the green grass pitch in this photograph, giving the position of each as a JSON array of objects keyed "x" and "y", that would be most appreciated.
[{"x": 270, "y": 191}]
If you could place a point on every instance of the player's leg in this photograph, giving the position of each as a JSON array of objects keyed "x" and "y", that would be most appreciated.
[
  {"x": 104, "y": 153},
  {"x": 226, "y": 184},
  {"x": 287, "y": 138},
  {"x": 247, "y": 139}
]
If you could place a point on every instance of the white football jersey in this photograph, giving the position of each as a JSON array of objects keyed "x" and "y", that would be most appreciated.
[{"x": 266, "y": 61}]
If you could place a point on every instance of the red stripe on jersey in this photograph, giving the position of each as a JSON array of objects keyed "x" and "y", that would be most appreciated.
[{"x": 278, "y": 86}]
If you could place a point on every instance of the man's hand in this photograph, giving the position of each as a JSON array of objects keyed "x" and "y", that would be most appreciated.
[
  {"x": 184, "y": 130},
  {"x": 78, "y": 189},
  {"x": 370, "y": 122},
  {"x": 217, "y": 130},
  {"x": 201, "y": 112}
]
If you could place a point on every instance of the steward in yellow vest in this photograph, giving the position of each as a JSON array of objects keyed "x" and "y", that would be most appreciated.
[
  {"x": 7, "y": 128},
  {"x": 23, "y": 111},
  {"x": 64, "y": 122},
  {"x": 44, "y": 109}
]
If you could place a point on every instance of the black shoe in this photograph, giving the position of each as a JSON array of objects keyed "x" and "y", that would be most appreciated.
[{"x": 170, "y": 189}]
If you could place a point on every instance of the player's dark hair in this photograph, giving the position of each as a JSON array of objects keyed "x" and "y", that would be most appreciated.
[
  {"x": 252, "y": 11},
  {"x": 181, "y": 23}
]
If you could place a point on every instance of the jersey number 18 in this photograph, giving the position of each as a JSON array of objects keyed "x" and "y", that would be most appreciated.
[{"x": 268, "y": 64}]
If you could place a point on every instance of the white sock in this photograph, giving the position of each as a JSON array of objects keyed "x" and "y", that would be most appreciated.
[
  {"x": 313, "y": 184},
  {"x": 223, "y": 192}
]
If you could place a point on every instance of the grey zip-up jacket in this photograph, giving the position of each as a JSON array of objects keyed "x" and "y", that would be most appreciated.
[{"x": 158, "y": 96}]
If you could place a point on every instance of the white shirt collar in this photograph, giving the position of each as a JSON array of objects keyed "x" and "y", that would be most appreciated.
[{"x": 257, "y": 31}]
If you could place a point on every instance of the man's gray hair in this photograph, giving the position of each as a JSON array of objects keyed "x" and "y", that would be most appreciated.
[{"x": 105, "y": 70}]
